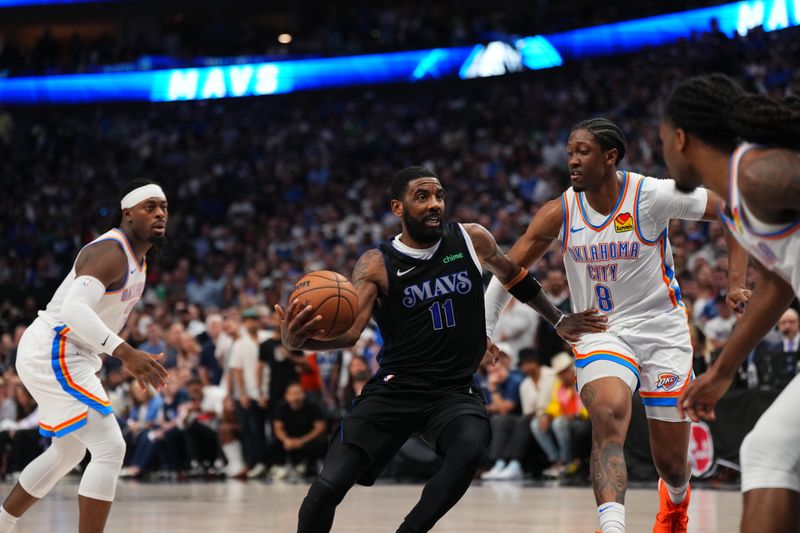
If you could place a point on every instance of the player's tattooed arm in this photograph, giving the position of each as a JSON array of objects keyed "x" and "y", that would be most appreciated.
[{"x": 570, "y": 327}]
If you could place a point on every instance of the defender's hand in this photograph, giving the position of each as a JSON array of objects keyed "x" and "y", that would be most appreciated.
[
  {"x": 700, "y": 396},
  {"x": 143, "y": 366},
  {"x": 574, "y": 325},
  {"x": 491, "y": 355},
  {"x": 737, "y": 298}
]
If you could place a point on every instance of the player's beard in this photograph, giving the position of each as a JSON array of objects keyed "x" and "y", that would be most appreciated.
[
  {"x": 685, "y": 187},
  {"x": 418, "y": 231},
  {"x": 157, "y": 240}
]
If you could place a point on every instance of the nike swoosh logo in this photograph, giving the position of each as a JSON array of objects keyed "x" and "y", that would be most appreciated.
[
  {"x": 104, "y": 342},
  {"x": 603, "y": 509},
  {"x": 133, "y": 271},
  {"x": 404, "y": 272},
  {"x": 573, "y": 230}
]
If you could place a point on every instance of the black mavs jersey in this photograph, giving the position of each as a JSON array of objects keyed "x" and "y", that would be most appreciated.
[{"x": 432, "y": 321}]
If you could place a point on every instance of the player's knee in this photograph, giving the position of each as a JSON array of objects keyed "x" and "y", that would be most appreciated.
[
  {"x": 324, "y": 492},
  {"x": 109, "y": 450},
  {"x": 468, "y": 449},
  {"x": 68, "y": 452},
  {"x": 675, "y": 471},
  {"x": 760, "y": 448},
  {"x": 608, "y": 420}
]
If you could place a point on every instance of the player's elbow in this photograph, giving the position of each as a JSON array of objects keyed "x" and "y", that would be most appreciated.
[{"x": 71, "y": 313}]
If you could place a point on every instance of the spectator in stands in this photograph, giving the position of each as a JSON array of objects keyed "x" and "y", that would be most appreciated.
[
  {"x": 789, "y": 328},
  {"x": 501, "y": 387},
  {"x": 511, "y": 435},
  {"x": 300, "y": 440},
  {"x": 555, "y": 283},
  {"x": 20, "y": 442},
  {"x": 142, "y": 419},
  {"x": 198, "y": 419},
  {"x": 247, "y": 375},
  {"x": 719, "y": 328},
  {"x": 210, "y": 370},
  {"x": 155, "y": 339},
  {"x": 564, "y": 423},
  {"x": 282, "y": 370},
  {"x": 517, "y": 327},
  {"x": 358, "y": 373},
  {"x": 173, "y": 341}
]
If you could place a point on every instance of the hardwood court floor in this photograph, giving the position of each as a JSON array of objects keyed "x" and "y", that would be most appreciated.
[{"x": 236, "y": 506}]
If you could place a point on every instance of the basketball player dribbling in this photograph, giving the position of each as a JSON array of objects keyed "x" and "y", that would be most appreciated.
[
  {"x": 708, "y": 125},
  {"x": 613, "y": 229},
  {"x": 58, "y": 357},
  {"x": 424, "y": 288}
]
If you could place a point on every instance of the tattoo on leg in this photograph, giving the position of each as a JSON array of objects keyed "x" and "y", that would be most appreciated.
[
  {"x": 609, "y": 475},
  {"x": 588, "y": 395}
]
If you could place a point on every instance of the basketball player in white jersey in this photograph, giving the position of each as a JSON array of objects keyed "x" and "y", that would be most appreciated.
[
  {"x": 613, "y": 231},
  {"x": 59, "y": 355},
  {"x": 705, "y": 122}
]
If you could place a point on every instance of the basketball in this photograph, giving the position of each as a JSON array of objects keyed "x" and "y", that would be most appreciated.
[{"x": 332, "y": 296}]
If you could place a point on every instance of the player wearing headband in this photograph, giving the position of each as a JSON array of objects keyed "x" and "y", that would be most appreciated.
[{"x": 59, "y": 355}]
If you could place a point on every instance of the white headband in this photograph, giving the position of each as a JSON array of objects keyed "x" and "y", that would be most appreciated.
[{"x": 141, "y": 194}]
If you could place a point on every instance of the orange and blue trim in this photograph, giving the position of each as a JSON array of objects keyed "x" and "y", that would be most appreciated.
[
  {"x": 564, "y": 222},
  {"x": 64, "y": 428},
  {"x": 582, "y": 360},
  {"x": 614, "y": 212},
  {"x": 59, "y": 364},
  {"x": 665, "y": 398},
  {"x": 667, "y": 274},
  {"x": 770, "y": 235},
  {"x": 636, "y": 216},
  {"x": 129, "y": 246}
]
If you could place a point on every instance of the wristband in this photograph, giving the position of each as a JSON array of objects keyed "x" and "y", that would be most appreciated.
[{"x": 524, "y": 286}]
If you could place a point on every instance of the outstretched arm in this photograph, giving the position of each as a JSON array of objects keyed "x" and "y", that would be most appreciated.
[
  {"x": 738, "y": 294},
  {"x": 521, "y": 284},
  {"x": 299, "y": 324},
  {"x": 771, "y": 296},
  {"x": 530, "y": 247}
]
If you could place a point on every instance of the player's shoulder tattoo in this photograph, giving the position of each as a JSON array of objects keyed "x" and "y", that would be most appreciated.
[{"x": 361, "y": 270}]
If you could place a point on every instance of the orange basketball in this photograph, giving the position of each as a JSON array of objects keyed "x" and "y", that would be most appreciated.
[{"x": 332, "y": 296}]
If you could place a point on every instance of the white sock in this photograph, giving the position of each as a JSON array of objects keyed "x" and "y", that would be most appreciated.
[
  {"x": 514, "y": 464},
  {"x": 612, "y": 517},
  {"x": 676, "y": 494},
  {"x": 7, "y": 522}
]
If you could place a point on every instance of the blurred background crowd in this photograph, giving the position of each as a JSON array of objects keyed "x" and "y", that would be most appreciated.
[{"x": 263, "y": 190}]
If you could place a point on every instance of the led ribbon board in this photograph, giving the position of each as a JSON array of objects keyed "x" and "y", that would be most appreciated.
[
  {"x": 25, "y": 3},
  {"x": 493, "y": 59}
]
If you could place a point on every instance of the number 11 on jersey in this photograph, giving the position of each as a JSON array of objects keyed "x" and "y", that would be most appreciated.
[
  {"x": 604, "y": 301},
  {"x": 436, "y": 315}
]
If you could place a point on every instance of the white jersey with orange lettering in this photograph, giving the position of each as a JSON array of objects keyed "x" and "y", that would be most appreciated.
[
  {"x": 621, "y": 264},
  {"x": 58, "y": 367},
  {"x": 777, "y": 247}
]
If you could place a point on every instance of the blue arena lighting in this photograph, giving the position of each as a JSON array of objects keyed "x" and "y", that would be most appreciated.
[
  {"x": 492, "y": 59},
  {"x": 26, "y": 3}
]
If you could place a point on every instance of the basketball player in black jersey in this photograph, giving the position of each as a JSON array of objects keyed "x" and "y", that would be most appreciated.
[{"x": 425, "y": 290}]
